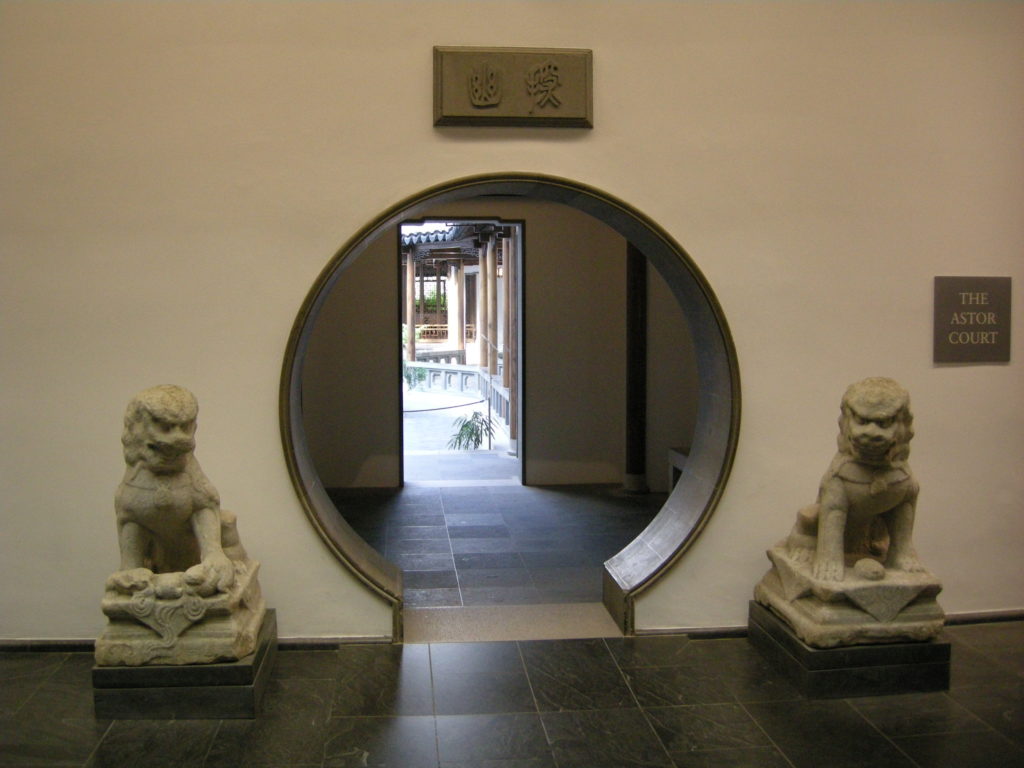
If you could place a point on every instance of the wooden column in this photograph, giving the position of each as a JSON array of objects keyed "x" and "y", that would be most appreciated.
[
  {"x": 492, "y": 305},
  {"x": 507, "y": 257},
  {"x": 460, "y": 297},
  {"x": 511, "y": 259},
  {"x": 481, "y": 307},
  {"x": 636, "y": 370},
  {"x": 410, "y": 305},
  {"x": 423, "y": 293},
  {"x": 437, "y": 294},
  {"x": 454, "y": 293}
]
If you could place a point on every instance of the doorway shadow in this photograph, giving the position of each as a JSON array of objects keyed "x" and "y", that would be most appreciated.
[{"x": 488, "y": 543}]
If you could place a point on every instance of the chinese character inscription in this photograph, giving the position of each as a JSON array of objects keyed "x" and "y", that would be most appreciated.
[
  {"x": 485, "y": 86},
  {"x": 541, "y": 84},
  {"x": 550, "y": 87}
]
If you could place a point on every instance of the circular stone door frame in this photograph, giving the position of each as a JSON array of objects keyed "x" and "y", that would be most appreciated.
[{"x": 691, "y": 502}]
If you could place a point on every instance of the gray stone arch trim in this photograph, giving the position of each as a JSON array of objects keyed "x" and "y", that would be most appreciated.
[{"x": 703, "y": 479}]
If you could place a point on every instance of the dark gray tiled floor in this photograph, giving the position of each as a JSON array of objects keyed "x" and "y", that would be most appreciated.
[
  {"x": 502, "y": 544},
  {"x": 614, "y": 703}
]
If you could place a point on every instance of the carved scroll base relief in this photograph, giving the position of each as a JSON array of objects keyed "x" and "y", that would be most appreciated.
[
  {"x": 145, "y": 628},
  {"x": 898, "y": 607}
]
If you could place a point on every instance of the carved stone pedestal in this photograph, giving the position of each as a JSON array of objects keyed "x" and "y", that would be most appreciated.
[
  {"x": 893, "y": 606},
  {"x": 180, "y": 627},
  {"x": 858, "y": 670},
  {"x": 188, "y": 692}
]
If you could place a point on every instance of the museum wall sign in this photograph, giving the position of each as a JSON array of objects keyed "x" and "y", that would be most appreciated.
[{"x": 972, "y": 320}]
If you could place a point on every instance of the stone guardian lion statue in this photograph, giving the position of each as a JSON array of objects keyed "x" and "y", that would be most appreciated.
[
  {"x": 867, "y": 498},
  {"x": 848, "y": 573},
  {"x": 184, "y": 574},
  {"x": 168, "y": 513}
]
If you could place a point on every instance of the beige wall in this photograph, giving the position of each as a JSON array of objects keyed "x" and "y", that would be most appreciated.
[{"x": 174, "y": 177}]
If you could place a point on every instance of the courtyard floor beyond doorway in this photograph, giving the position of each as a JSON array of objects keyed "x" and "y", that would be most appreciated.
[{"x": 428, "y": 425}]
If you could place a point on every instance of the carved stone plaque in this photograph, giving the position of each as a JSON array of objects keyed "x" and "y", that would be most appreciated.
[
  {"x": 513, "y": 86},
  {"x": 972, "y": 320}
]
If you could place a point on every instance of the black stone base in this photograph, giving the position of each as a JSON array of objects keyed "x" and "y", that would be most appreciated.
[
  {"x": 189, "y": 691},
  {"x": 856, "y": 670}
]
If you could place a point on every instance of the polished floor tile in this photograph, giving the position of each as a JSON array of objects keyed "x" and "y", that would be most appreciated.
[
  {"x": 427, "y": 562},
  {"x": 412, "y": 532},
  {"x": 66, "y": 693},
  {"x": 917, "y": 714},
  {"x": 306, "y": 665},
  {"x": 155, "y": 744},
  {"x": 431, "y": 579},
  {"x": 521, "y": 595},
  {"x": 417, "y": 547},
  {"x": 561, "y": 559},
  {"x": 685, "y": 729},
  {"x": 655, "y": 651},
  {"x": 999, "y": 706},
  {"x": 671, "y": 686},
  {"x": 742, "y": 757},
  {"x": 432, "y": 598},
  {"x": 993, "y": 636},
  {"x": 962, "y": 750},
  {"x": 604, "y": 738},
  {"x": 380, "y": 742},
  {"x": 575, "y": 674},
  {"x": 496, "y": 692},
  {"x": 455, "y": 519},
  {"x": 27, "y": 739},
  {"x": 826, "y": 733},
  {"x": 383, "y": 680},
  {"x": 478, "y": 532},
  {"x": 496, "y": 577},
  {"x": 473, "y": 561},
  {"x": 479, "y": 679},
  {"x": 973, "y": 668},
  {"x": 646, "y": 701},
  {"x": 561, "y": 535},
  {"x": 291, "y": 730},
  {"x": 465, "y": 546},
  {"x": 21, "y": 675},
  {"x": 490, "y": 739}
]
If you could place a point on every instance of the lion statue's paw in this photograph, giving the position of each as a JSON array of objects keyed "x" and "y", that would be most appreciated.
[
  {"x": 130, "y": 580},
  {"x": 829, "y": 570}
]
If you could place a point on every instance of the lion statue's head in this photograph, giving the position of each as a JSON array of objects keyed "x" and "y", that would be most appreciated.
[
  {"x": 159, "y": 428},
  {"x": 875, "y": 422}
]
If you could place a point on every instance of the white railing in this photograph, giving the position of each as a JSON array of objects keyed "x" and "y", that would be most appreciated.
[{"x": 453, "y": 377}]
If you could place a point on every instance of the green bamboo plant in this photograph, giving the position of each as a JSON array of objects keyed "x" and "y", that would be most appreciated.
[{"x": 470, "y": 432}]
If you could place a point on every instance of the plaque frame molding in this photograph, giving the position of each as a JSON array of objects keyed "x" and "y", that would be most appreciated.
[{"x": 443, "y": 118}]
